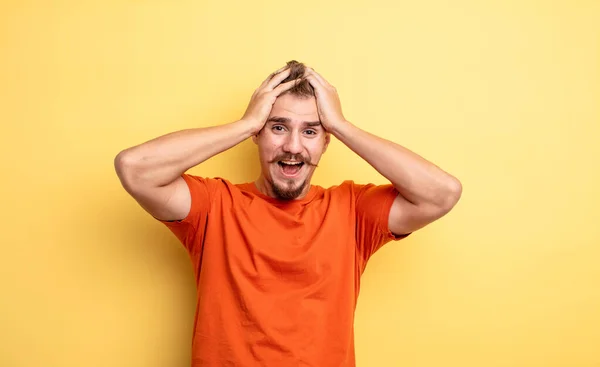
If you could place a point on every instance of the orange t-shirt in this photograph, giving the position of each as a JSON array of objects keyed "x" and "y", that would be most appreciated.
[{"x": 278, "y": 281}]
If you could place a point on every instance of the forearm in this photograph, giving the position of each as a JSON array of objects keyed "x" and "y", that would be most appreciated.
[
  {"x": 416, "y": 179},
  {"x": 161, "y": 160}
]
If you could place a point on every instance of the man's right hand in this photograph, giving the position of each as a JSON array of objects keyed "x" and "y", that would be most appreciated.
[
  {"x": 263, "y": 98},
  {"x": 152, "y": 172}
]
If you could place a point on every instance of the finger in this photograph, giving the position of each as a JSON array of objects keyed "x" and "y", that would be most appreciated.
[
  {"x": 277, "y": 79},
  {"x": 285, "y": 86},
  {"x": 281, "y": 69},
  {"x": 318, "y": 76},
  {"x": 266, "y": 81},
  {"x": 312, "y": 79}
]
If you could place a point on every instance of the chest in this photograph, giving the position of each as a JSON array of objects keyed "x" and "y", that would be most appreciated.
[{"x": 282, "y": 250}]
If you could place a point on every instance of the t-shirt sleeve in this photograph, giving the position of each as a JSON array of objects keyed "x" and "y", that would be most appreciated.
[
  {"x": 373, "y": 205},
  {"x": 191, "y": 230}
]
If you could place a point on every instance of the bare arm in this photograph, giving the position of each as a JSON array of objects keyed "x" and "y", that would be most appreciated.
[
  {"x": 426, "y": 192},
  {"x": 151, "y": 172}
]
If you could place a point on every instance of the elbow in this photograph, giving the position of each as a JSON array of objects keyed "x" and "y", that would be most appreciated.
[
  {"x": 453, "y": 194},
  {"x": 447, "y": 196},
  {"x": 124, "y": 164},
  {"x": 122, "y": 161}
]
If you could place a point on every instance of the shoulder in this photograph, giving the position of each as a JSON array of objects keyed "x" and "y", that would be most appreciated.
[
  {"x": 350, "y": 188},
  {"x": 220, "y": 191},
  {"x": 366, "y": 196},
  {"x": 212, "y": 186},
  {"x": 209, "y": 182}
]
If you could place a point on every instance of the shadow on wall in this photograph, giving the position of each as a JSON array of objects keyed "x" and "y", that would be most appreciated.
[
  {"x": 111, "y": 258},
  {"x": 240, "y": 163},
  {"x": 130, "y": 268},
  {"x": 121, "y": 239}
]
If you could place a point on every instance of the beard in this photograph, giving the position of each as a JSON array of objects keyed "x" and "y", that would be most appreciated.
[{"x": 287, "y": 191}]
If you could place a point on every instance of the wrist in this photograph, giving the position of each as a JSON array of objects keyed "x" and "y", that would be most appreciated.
[
  {"x": 341, "y": 129},
  {"x": 253, "y": 126},
  {"x": 249, "y": 127}
]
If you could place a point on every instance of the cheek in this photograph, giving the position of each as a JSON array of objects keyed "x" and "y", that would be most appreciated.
[
  {"x": 272, "y": 150},
  {"x": 268, "y": 144},
  {"x": 268, "y": 152},
  {"x": 316, "y": 148}
]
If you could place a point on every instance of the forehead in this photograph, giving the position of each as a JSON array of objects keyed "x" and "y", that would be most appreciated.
[{"x": 295, "y": 108}]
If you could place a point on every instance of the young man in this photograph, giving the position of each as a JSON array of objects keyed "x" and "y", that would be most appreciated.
[{"x": 278, "y": 261}]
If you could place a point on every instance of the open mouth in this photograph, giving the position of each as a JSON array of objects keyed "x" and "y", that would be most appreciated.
[{"x": 290, "y": 168}]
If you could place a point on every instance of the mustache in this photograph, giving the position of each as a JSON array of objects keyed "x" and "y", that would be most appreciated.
[{"x": 293, "y": 157}]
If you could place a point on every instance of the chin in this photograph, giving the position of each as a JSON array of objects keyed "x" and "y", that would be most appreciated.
[{"x": 289, "y": 189}]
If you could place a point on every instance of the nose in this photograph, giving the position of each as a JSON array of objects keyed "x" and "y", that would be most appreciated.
[{"x": 292, "y": 143}]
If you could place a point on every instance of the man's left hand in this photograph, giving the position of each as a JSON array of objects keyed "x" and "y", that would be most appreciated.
[{"x": 328, "y": 101}]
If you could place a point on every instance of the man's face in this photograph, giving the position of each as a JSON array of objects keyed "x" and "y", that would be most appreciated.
[{"x": 290, "y": 145}]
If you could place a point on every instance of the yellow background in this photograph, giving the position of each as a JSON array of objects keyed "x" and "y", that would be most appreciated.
[{"x": 502, "y": 94}]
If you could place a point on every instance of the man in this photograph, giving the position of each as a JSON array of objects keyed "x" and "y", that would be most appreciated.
[{"x": 278, "y": 261}]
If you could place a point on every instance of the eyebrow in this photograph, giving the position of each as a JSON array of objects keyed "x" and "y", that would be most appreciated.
[{"x": 285, "y": 120}]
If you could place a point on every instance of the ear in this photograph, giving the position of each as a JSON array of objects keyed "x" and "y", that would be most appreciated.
[
  {"x": 327, "y": 140},
  {"x": 254, "y": 138}
]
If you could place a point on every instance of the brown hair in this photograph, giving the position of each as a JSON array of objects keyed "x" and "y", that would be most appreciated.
[{"x": 302, "y": 89}]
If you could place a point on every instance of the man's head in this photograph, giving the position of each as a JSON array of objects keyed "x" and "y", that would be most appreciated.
[{"x": 292, "y": 141}]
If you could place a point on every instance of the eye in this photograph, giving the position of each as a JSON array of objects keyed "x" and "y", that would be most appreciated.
[
  {"x": 277, "y": 128},
  {"x": 311, "y": 132}
]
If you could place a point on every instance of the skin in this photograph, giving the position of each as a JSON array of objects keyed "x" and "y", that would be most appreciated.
[
  {"x": 426, "y": 192},
  {"x": 293, "y": 132},
  {"x": 151, "y": 172}
]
